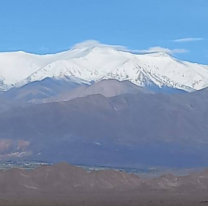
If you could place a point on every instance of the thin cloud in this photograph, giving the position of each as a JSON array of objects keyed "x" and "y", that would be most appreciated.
[
  {"x": 93, "y": 43},
  {"x": 163, "y": 50},
  {"x": 188, "y": 40}
]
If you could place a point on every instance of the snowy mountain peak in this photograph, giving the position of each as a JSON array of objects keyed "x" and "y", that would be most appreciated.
[
  {"x": 88, "y": 44},
  {"x": 91, "y": 44},
  {"x": 159, "y": 54},
  {"x": 93, "y": 61}
]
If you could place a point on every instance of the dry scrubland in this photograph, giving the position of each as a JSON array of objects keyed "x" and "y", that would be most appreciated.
[
  {"x": 63, "y": 185},
  {"x": 132, "y": 199}
]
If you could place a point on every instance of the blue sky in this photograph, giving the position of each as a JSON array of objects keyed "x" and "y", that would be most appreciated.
[{"x": 49, "y": 26}]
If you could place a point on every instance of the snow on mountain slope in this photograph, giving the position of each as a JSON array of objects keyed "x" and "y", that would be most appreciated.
[
  {"x": 92, "y": 61},
  {"x": 15, "y": 66}
]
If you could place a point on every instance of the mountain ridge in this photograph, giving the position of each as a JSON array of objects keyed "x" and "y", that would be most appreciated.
[
  {"x": 93, "y": 61},
  {"x": 125, "y": 129}
]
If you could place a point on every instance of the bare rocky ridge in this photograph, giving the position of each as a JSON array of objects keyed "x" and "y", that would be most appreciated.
[
  {"x": 106, "y": 88},
  {"x": 51, "y": 90},
  {"x": 63, "y": 180},
  {"x": 38, "y": 90}
]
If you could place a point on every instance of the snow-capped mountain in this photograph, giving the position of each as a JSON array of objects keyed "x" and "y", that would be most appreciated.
[{"x": 92, "y": 61}]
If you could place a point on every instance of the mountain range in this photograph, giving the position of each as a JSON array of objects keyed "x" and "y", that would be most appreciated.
[
  {"x": 92, "y": 61},
  {"x": 123, "y": 124},
  {"x": 103, "y": 105}
]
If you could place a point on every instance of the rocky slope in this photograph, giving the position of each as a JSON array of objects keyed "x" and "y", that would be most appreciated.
[{"x": 63, "y": 179}]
